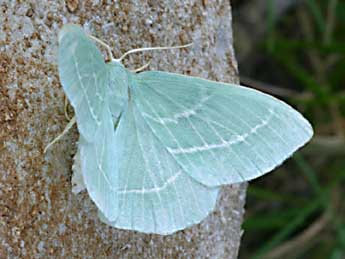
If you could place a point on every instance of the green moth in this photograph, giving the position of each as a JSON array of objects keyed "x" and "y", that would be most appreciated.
[{"x": 155, "y": 147}]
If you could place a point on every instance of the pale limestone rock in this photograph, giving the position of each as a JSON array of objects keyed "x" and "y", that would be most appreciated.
[{"x": 40, "y": 217}]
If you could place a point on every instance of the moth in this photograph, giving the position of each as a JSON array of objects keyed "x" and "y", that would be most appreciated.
[{"x": 155, "y": 147}]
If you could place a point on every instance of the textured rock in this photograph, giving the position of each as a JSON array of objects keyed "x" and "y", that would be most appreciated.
[{"x": 40, "y": 217}]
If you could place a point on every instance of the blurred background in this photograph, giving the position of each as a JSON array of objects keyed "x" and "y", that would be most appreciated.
[{"x": 295, "y": 51}]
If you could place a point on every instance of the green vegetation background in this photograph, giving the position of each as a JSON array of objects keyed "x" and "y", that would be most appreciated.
[{"x": 298, "y": 211}]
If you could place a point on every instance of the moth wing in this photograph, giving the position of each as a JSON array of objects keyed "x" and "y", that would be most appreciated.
[
  {"x": 99, "y": 168},
  {"x": 218, "y": 133},
  {"x": 155, "y": 194},
  {"x": 84, "y": 77}
]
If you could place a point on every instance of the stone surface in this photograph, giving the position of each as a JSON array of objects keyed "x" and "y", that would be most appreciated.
[{"x": 40, "y": 217}]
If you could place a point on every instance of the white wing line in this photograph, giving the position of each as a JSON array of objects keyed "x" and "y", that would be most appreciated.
[
  {"x": 124, "y": 200},
  {"x": 200, "y": 117},
  {"x": 146, "y": 164},
  {"x": 147, "y": 169},
  {"x": 151, "y": 142},
  {"x": 177, "y": 104},
  {"x": 225, "y": 144},
  {"x": 204, "y": 144},
  {"x": 214, "y": 157},
  {"x": 185, "y": 114},
  {"x": 259, "y": 135},
  {"x": 94, "y": 116},
  {"x": 156, "y": 189},
  {"x": 231, "y": 131},
  {"x": 233, "y": 151},
  {"x": 172, "y": 180},
  {"x": 99, "y": 160},
  {"x": 249, "y": 146},
  {"x": 179, "y": 204},
  {"x": 100, "y": 98},
  {"x": 273, "y": 130},
  {"x": 175, "y": 140},
  {"x": 262, "y": 137},
  {"x": 177, "y": 163},
  {"x": 239, "y": 137},
  {"x": 171, "y": 172}
]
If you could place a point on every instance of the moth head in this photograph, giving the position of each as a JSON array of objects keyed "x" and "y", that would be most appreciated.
[
  {"x": 117, "y": 66},
  {"x": 118, "y": 73}
]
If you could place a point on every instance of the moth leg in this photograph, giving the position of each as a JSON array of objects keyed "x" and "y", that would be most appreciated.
[
  {"x": 110, "y": 53},
  {"x": 65, "y": 109},
  {"x": 67, "y": 128},
  {"x": 141, "y": 68}
]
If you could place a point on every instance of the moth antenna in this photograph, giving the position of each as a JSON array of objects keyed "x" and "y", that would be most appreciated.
[
  {"x": 110, "y": 53},
  {"x": 142, "y": 67},
  {"x": 152, "y": 48},
  {"x": 67, "y": 128}
]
